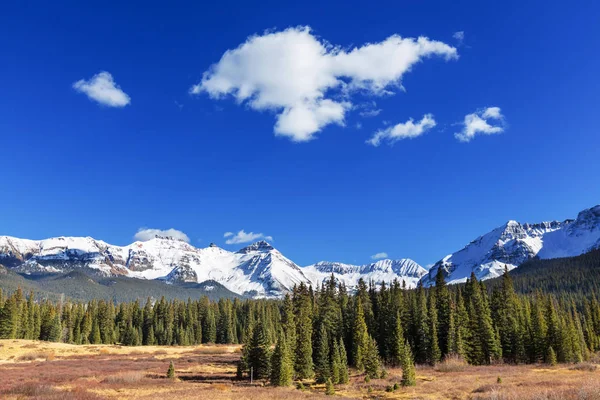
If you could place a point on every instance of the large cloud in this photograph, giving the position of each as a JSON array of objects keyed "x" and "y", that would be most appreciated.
[
  {"x": 144, "y": 234},
  {"x": 308, "y": 82},
  {"x": 403, "y": 130},
  {"x": 487, "y": 121},
  {"x": 244, "y": 237},
  {"x": 103, "y": 89}
]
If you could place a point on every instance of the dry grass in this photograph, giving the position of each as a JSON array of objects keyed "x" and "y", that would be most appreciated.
[
  {"x": 125, "y": 378},
  {"x": 121, "y": 372},
  {"x": 452, "y": 363},
  {"x": 37, "y": 355},
  {"x": 585, "y": 366}
]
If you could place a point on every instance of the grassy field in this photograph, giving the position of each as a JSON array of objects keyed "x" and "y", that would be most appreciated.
[{"x": 40, "y": 370}]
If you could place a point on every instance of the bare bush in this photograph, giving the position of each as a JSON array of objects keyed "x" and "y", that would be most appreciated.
[{"x": 452, "y": 363}]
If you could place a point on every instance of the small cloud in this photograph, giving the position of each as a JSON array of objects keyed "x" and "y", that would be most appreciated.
[
  {"x": 144, "y": 234},
  {"x": 245, "y": 237},
  {"x": 103, "y": 89},
  {"x": 369, "y": 110},
  {"x": 358, "y": 125},
  {"x": 459, "y": 36},
  {"x": 179, "y": 105},
  {"x": 403, "y": 130},
  {"x": 488, "y": 121},
  {"x": 379, "y": 256}
]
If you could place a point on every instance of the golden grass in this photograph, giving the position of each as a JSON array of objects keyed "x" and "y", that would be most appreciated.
[{"x": 121, "y": 372}]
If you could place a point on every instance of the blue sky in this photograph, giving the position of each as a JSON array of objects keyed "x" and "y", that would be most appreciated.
[{"x": 152, "y": 154}]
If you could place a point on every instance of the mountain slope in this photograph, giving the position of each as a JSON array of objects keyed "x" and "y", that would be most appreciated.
[
  {"x": 383, "y": 270},
  {"x": 514, "y": 243}
]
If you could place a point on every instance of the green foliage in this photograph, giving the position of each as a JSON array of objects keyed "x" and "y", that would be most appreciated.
[
  {"x": 282, "y": 368},
  {"x": 551, "y": 357},
  {"x": 371, "y": 361},
  {"x": 408, "y": 367},
  {"x": 329, "y": 388},
  {"x": 171, "y": 371}
]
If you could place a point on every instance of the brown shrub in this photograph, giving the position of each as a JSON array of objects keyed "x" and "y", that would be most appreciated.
[
  {"x": 37, "y": 391},
  {"x": 126, "y": 378},
  {"x": 37, "y": 355},
  {"x": 104, "y": 351},
  {"x": 452, "y": 363},
  {"x": 584, "y": 366}
]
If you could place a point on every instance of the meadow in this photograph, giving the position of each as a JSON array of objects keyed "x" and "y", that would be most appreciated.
[{"x": 43, "y": 370}]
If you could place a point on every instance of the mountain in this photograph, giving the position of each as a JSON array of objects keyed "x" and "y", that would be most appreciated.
[
  {"x": 513, "y": 243},
  {"x": 383, "y": 270},
  {"x": 258, "y": 270}
]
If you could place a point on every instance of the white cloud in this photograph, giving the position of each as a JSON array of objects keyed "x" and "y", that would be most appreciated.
[
  {"x": 245, "y": 237},
  {"x": 488, "y": 121},
  {"x": 379, "y": 256},
  {"x": 459, "y": 36},
  {"x": 403, "y": 130},
  {"x": 295, "y": 74},
  {"x": 103, "y": 89},
  {"x": 144, "y": 234}
]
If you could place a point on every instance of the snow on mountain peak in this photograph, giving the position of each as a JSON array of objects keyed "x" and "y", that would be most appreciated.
[
  {"x": 513, "y": 243},
  {"x": 258, "y": 246}
]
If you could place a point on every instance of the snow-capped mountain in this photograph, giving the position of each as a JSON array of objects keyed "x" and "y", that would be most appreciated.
[
  {"x": 513, "y": 243},
  {"x": 381, "y": 271},
  {"x": 262, "y": 271},
  {"x": 258, "y": 269}
]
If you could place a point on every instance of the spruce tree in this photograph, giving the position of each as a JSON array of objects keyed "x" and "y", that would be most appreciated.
[
  {"x": 171, "y": 371},
  {"x": 343, "y": 363},
  {"x": 303, "y": 362},
  {"x": 408, "y": 367},
  {"x": 371, "y": 361},
  {"x": 259, "y": 353},
  {"x": 551, "y": 357},
  {"x": 322, "y": 363},
  {"x": 329, "y": 388},
  {"x": 360, "y": 338},
  {"x": 434, "y": 352},
  {"x": 282, "y": 368}
]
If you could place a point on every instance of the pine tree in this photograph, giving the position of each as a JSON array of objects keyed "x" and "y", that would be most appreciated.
[
  {"x": 336, "y": 362},
  {"x": 329, "y": 388},
  {"x": 322, "y": 364},
  {"x": 360, "y": 339},
  {"x": 303, "y": 362},
  {"x": 551, "y": 357},
  {"x": 343, "y": 363},
  {"x": 397, "y": 342},
  {"x": 259, "y": 354},
  {"x": 444, "y": 313},
  {"x": 282, "y": 368},
  {"x": 171, "y": 371},
  {"x": 434, "y": 352},
  {"x": 408, "y": 367},
  {"x": 372, "y": 364}
]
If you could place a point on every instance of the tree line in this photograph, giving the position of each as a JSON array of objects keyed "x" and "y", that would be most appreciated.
[{"x": 319, "y": 333}]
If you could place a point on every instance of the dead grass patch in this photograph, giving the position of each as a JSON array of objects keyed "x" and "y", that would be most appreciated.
[
  {"x": 584, "y": 366},
  {"x": 37, "y": 355},
  {"x": 452, "y": 363},
  {"x": 125, "y": 378}
]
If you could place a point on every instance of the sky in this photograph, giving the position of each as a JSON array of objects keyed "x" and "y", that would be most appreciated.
[{"x": 341, "y": 131}]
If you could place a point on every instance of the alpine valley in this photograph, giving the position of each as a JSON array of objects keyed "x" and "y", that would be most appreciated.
[{"x": 260, "y": 270}]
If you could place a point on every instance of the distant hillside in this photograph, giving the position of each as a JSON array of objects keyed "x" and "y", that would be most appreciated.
[
  {"x": 578, "y": 275},
  {"x": 79, "y": 285}
]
